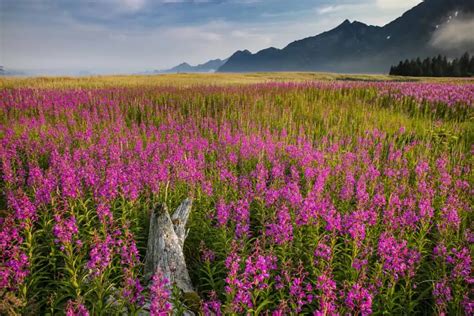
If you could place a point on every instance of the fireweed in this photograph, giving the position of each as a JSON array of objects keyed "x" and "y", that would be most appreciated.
[{"x": 308, "y": 197}]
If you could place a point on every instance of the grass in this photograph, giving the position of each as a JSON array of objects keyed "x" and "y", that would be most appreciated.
[{"x": 184, "y": 79}]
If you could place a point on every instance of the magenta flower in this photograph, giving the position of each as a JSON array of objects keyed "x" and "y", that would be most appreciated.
[
  {"x": 75, "y": 308},
  {"x": 213, "y": 306},
  {"x": 160, "y": 296},
  {"x": 442, "y": 294},
  {"x": 398, "y": 260},
  {"x": 359, "y": 300},
  {"x": 132, "y": 289},
  {"x": 327, "y": 297},
  {"x": 101, "y": 255},
  {"x": 281, "y": 232},
  {"x": 322, "y": 252},
  {"x": 64, "y": 230}
]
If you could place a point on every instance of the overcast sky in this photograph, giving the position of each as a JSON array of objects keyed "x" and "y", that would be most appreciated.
[{"x": 134, "y": 35}]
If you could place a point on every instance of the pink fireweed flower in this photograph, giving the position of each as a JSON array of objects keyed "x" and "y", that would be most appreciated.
[
  {"x": 327, "y": 297},
  {"x": 398, "y": 260},
  {"x": 160, "y": 296},
  {"x": 271, "y": 196},
  {"x": 104, "y": 213},
  {"x": 281, "y": 232},
  {"x": 298, "y": 293},
  {"x": 75, "y": 308},
  {"x": 347, "y": 191},
  {"x": 242, "y": 218},
  {"x": 468, "y": 305},
  {"x": 232, "y": 263},
  {"x": 207, "y": 255},
  {"x": 22, "y": 207},
  {"x": 129, "y": 254},
  {"x": 442, "y": 294},
  {"x": 43, "y": 183},
  {"x": 300, "y": 290},
  {"x": 359, "y": 300},
  {"x": 101, "y": 255},
  {"x": 222, "y": 213},
  {"x": 361, "y": 192},
  {"x": 69, "y": 181},
  {"x": 356, "y": 223},
  {"x": 14, "y": 262},
  {"x": 322, "y": 252},
  {"x": 449, "y": 213},
  {"x": 256, "y": 275},
  {"x": 212, "y": 307},
  {"x": 426, "y": 209},
  {"x": 258, "y": 268},
  {"x": 444, "y": 176},
  {"x": 261, "y": 176},
  {"x": 64, "y": 230},
  {"x": 291, "y": 192},
  {"x": 132, "y": 289},
  {"x": 461, "y": 262}
]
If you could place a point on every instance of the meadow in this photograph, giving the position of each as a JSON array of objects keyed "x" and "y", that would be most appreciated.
[{"x": 313, "y": 194}]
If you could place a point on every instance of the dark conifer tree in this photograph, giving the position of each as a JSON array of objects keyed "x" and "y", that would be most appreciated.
[
  {"x": 426, "y": 67},
  {"x": 471, "y": 66},
  {"x": 438, "y": 66},
  {"x": 464, "y": 64},
  {"x": 456, "y": 68}
]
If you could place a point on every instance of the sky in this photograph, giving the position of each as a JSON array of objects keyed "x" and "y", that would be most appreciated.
[{"x": 124, "y": 36}]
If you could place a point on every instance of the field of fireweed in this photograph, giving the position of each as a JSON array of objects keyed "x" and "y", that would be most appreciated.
[{"x": 323, "y": 198}]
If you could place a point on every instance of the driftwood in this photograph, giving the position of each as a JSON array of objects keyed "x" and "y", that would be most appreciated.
[{"x": 165, "y": 245}]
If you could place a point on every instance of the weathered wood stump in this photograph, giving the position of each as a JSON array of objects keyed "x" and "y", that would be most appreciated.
[{"x": 165, "y": 245}]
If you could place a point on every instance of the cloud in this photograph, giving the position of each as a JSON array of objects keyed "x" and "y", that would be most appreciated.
[
  {"x": 330, "y": 9},
  {"x": 396, "y": 4},
  {"x": 133, "y": 5},
  {"x": 455, "y": 35}
]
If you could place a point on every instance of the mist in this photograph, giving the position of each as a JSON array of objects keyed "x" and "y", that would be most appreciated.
[{"x": 455, "y": 36}]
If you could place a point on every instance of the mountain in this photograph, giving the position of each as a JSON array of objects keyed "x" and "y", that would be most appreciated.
[
  {"x": 10, "y": 72},
  {"x": 358, "y": 47},
  {"x": 210, "y": 66}
]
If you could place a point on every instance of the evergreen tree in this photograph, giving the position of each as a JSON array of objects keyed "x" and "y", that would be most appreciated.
[
  {"x": 426, "y": 67},
  {"x": 464, "y": 64},
  {"x": 444, "y": 66},
  {"x": 399, "y": 68},
  {"x": 406, "y": 68},
  {"x": 471, "y": 66},
  {"x": 456, "y": 68},
  {"x": 418, "y": 70},
  {"x": 438, "y": 66}
]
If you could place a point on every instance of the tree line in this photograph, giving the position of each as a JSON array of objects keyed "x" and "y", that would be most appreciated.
[{"x": 438, "y": 66}]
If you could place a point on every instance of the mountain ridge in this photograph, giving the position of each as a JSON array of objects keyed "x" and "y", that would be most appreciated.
[
  {"x": 209, "y": 66},
  {"x": 358, "y": 47}
]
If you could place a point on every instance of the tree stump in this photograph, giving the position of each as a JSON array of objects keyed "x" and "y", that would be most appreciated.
[{"x": 165, "y": 245}]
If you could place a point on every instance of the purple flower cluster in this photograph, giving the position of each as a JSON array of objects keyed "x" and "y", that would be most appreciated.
[
  {"x": 101, "y": 255},
  {"x": 255, "y": 276},
  {"x": 160, "y": 296},
  {"x": 64, "y": 230},
  {"x": 398, "y": 259},
  {"x": 14, "y": 261},
  {"x": 359, "y": 300},
  {"x": 76, "y": 309}
]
